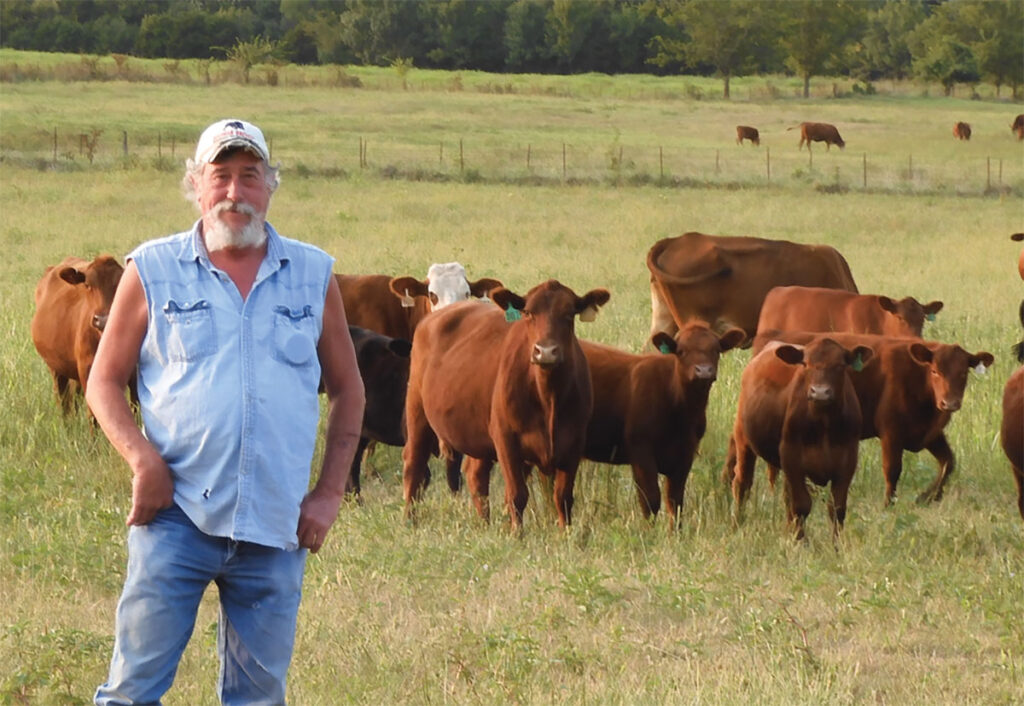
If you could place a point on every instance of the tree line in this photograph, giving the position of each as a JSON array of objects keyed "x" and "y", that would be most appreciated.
[{"x": 946, "y": 41}]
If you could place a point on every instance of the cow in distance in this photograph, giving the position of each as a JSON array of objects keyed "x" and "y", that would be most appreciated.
[
  {"x": 745, "y": 132},
  {"x": 961, "y": 131},
  {"x": 819, "y": 132}
]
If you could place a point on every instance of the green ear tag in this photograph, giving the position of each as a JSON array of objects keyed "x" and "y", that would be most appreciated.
[
  {"x": 930, "y": 317},
  {"x": 858, "y": 364},
  {"x": 512, "y": 314},
  {"x": 664, "y": 348}
]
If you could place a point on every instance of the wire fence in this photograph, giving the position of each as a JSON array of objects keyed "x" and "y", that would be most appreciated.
[{"x": 552, "y": 162}]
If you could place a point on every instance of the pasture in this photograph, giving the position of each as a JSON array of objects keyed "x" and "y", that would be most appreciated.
[{"x": 914, "y": 605}]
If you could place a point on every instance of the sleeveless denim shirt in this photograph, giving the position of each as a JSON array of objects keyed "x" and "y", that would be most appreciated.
[{"x": 228, "y": 388}]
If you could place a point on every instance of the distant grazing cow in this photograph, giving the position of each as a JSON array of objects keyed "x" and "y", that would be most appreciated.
[
  {"x": 908, "y": 393},
  {"x": 1011, "y": 432},
  {"x": 72, "y": 304},
  {"x": 1020, "y": 260},
  {"x": 820, "y": 309},
  {"x": 371, "y": 302},
  {"x": 649, "y": 410},
  {"x": 961, "y": 131},
  {"x": 798, "y": 411},
  {"x": 518, "y": 393},
  {"x": 384, "y": 366},
  {"x": 723, "y": 280},
  {"x": 1018, "y": 126},
  {"x": 745, "y": 132},
  {"x": 819, "y": 132}
]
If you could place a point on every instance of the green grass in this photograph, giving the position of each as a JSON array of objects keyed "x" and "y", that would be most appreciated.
[{"x": 916, "y": 605}]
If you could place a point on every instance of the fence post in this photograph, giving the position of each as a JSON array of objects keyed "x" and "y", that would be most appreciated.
[
  {"x": 462, "y": 161},
  {"x": 172, "y": 147},
  {"x": 564, "y": 166},
  {"x": 910, "y": 168},
  {"x": 716, "y": 162},
  {"x": 865, "y": 170},
  {"x": 661, "y": 162},
  {"x": 55, "y": 146},
  {"x": 159, "y": 146},
  {"x": 1000, "y": 171},
  {"x": 440, "y": 153},
  {"x": 527, "y": 157},
  {"x": 988, "y": 174},
  {"x": 124, "y": 142},
  {"x": 768, "y": 162}
]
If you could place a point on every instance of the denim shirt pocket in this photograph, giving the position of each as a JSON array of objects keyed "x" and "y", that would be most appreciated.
[
  {"x": 295, "y": 335},
  {"x": 191, "y": 333}
]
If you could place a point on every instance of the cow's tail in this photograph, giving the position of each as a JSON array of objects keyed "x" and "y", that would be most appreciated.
[{"x": 792, "y": 128}]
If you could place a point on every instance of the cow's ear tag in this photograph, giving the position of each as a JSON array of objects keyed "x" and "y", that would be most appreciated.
[
  {"x": 664, "y": 348},
  {"x": 512, "y": 314},
  {"x": 407, "y": 301},
  {"x": 930, "y": 317},
  {"x": 858, "y": 364},
  {"x": 980, "y": 369},
  {"x": 588, "y": 314}
]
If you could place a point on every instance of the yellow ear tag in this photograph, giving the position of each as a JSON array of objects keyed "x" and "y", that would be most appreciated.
[
  {"x": 407, "y": 301},
  {"x": 588, "y": 314}
]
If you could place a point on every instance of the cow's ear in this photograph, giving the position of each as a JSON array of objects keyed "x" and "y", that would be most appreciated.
[
  {"x": 887, "y": 304},
  {"x": 71, "y": 275},
  {"x": 921, "y": 353},
  {"x": 400, "y": 347},
  {"x": 790, "y": 354},
  {"x": 506, "y": 298},
  {"x": 1017, "y": 236},
  {"x": 483, "y": 287},
  {"x": 984, "y": 359},
  {"x": 589, "y": 303},
  {"x": 731, "y": 339},
  {"x": 933, "y": 308},
  {"x": 405, "y": 288},
  {"x": 663, "y": 342},
  {"x": 858, "y": 356}
]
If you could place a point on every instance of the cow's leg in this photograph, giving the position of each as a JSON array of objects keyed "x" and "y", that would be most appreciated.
[
  {"x": 352, "y": 485},
  {"x": 677, "y": 472},
  {"x": 892, "y": 466},
  {"x": 645, "y": 478},
  {"x": 565, "y": 482},
  {"x": 939, "y": 448},
  {"x": 729, "y": 467},
  {"x": 798, "y": 502},
  {"x": 1018, "y": 478},
  {"x": 453, "y": 470},
  {"x": 661, "y": 314},
  {"x": 478, "y": 480},
  {"x": 513, "y": 469},
  {"x": 773, "y": 475},
  {"x": 65, "y": 392},
  {"x": 837, "y": 502},
  {"x": 420, "y": 442},
  {"x": 743, "y": 478}
]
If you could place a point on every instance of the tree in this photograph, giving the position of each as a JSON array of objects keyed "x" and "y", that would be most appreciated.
[
  {"x": 886, "y": 51},
  {"x": 994, "y": 31},
  {"x": 246, "y": 54},
  {"x": 523, "y": 36},
  {"x": 815, "y": 34},
  {"x": 941, "y": 50}
]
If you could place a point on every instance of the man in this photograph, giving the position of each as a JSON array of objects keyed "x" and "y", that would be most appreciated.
[{"x": 231, "y": 326}]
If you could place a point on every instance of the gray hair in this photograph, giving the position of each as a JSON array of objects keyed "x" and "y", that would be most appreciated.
[{"x": 193, "y": 171}]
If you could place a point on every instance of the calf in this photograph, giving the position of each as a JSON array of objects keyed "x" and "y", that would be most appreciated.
[
  {"x": 961, "y": 131},
  {"x": 819, "y": 132},
  {"x": 821, "y": 309},
  {"x": 745, "y": 132},
  {"x": 798, "y": 411},
  {"x": 518, "y": 393},
  {"x": 649, "y": 410},
  {"x": 908, "y": 393},
  {"x": 72, "y": 304},
  {"x": 1018, "y": 126}
]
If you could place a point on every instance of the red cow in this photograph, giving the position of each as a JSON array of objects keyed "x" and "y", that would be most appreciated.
[
  {"x": 745, "y": 132},
  {"x": 518, "y": 393},
  {"x": 819, "y": 132},
  {"x": 1018, "y": 126},
  {"x": 1020, "y": 260},
  {"x": 798, "y": 411},
  {"x": 821, "y": 309},
  {"x": 908, "y": 393},
  {"x": 371, "y": 302},
  {"x": 1011, "y": 433},
  {"x": 72, "y": 304},
  {"x": 649, "y": 410},
  {"x": 961, "y": 131}
]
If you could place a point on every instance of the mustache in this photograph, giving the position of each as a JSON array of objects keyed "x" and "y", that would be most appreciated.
[{"x": 234, "y": 206}]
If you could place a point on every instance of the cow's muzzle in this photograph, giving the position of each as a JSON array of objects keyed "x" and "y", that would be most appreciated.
[
  {"x": 546, "y": 354},
  {"x": 820, "y": 393}
]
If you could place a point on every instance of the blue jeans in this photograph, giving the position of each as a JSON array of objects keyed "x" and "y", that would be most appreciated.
[{"x": 170, "y": 564}]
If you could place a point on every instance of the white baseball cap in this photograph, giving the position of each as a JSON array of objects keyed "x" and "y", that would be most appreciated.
[{"x": 230, "y": 133}]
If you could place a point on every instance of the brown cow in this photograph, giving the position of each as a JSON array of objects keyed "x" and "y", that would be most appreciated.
[
  {"x": 819, "y": 132},
  {"x": 518, "y": 393},
  {"x": 1018, "y": 126},
  {"x": 961, "y": 131},
  {"x": 1020, "y": 260},
  {"x": 371, "y": 302},
  {"x": 1011, "y": 431},
  {"x": 908, "y": 393},
  {"x": 745, "y": 132},
  {"x": 798, "y": 411},
  {"x": 649, "y": 410},
  {"x": 820, "y": 309},
  {"x": 72, "y": 304},
  {"x": 723, "y": 280}
]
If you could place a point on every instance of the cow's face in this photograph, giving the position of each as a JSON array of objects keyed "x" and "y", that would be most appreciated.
[
  {"x": 697, "y": 349},
  {"x": 948, "y": 366},
  {"x": 447, "y": 284},
  {"x": 98, "y": 280},
  {"x": 549, "y": 314},
  {"x": 825, "y": 363},
  {"x": 911, "y": 314}
]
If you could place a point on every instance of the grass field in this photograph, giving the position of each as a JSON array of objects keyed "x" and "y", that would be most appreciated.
[{"x": 915, "y": 605}]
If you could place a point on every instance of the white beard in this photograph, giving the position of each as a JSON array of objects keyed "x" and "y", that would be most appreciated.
[{"x": 221, "y": 236}]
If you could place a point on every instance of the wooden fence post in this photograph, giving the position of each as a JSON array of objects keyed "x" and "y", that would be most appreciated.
[
  {"x": 768, "y": 162},
  {"x": 440, "y": 153},
  {"x": 124, "y": 142},
  {"x": 865, "y": 170},
  {"x": 462, "y": 161},
  {"x": 661, "y": 162},
  {"x": 55, "y": 146},
  {"x": 159, "y": 146},
  {"x": 716, "y": 162},
  {"x": 527, "y": 157},
  {"x": 988, "y": 174}
]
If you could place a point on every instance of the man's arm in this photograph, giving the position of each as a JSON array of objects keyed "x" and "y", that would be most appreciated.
[
  {"x": 345, "y": 401},
  {"x": 116, "y": 358}
]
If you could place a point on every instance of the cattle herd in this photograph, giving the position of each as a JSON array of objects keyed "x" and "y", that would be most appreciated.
[{"x": 475, "y": 373}]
